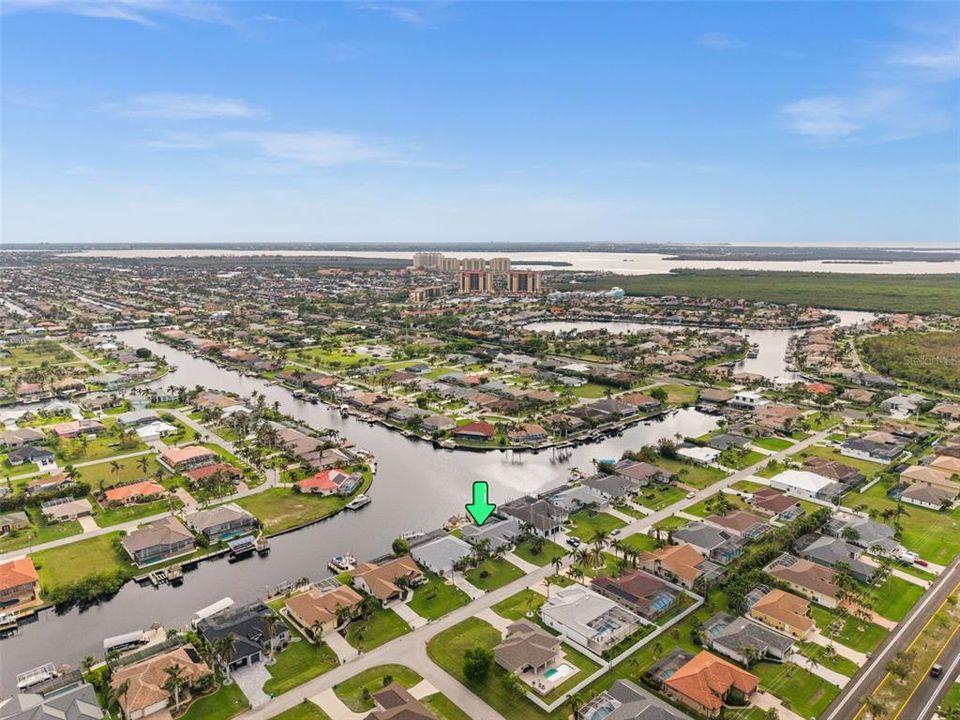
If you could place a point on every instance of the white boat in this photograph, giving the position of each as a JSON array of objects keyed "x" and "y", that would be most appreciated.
[
  {"x": 36, "y": 676},
  {"x": 358, "y": 502},
  {"x": 342, "y": 563},
  {"x": 411, "y": 534}
]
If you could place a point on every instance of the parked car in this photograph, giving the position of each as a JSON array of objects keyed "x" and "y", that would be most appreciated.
[{"x": 573, "y": 542}]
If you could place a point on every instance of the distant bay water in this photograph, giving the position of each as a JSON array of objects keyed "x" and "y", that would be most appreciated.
[{"x": 622, "y": 263}]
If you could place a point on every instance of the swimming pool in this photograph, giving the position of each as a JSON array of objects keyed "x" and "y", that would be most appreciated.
[{"x": 559, "y": 672}]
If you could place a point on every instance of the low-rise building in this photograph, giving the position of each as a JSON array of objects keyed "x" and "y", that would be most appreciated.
[
  {"x": 644, "y": 594},
  {"x": 320, "y": 611},
  {"x": 181, "y": 459},
  {"x": 65, "y": 509},
  {"x": 811, "y": 580},
  {"x": 137, "y": 492},
  {"x": 384, "y": 581},
  {"x": 146, "y": 681},
  {"x": 439, "y": 556},
  {"x": 221, "y": 522},
  {"x": 588, "y": 619},
  {"x": 394, "y": 702},
  {"x": 19, "y": 584},
  {"x": 160, "y": 540},
  {"x": 785, "y": 612},
  {"x": 706, "y": 682},
  {"x": 744, "y": 640},
  {"x": 256, "y": 629},
  {"x": 527, "y": 648}
]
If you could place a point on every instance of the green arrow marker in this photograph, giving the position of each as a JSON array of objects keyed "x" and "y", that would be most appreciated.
[{"x": 480, "y": 509}]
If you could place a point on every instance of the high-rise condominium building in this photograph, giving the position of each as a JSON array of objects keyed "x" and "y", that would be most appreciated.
[
  {"x": 476, "y": 281},
  {"x": 525, "y": 282}
]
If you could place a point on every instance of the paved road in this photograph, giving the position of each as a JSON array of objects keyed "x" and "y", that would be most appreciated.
[
  {"x": 847, "y": 703},
  {"x": 90, "y": 361},
  {"x": 930, "y": 692}
]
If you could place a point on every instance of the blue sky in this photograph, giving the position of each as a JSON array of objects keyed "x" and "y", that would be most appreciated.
[{"x": 807, "y": 123}]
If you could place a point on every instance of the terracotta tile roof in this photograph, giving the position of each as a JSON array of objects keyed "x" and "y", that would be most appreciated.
[
  {"x": 173, "y": 456},
  {"x": 707, "y": 679},
  {"x": 17, "y": 572},
  {"x": 785, "y": 607},
  {"x": 148, "y": 677},
  {"x": 146, "y": 488},
  {"x": 318, "y": 606}
]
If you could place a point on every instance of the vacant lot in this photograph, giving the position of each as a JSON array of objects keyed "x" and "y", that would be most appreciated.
[
  {"x": 382, "y": 626},
  {"x": 68, "y": 563},
  {"x": 301, "y": 661},
  {"x": 844, "y": 291},
  {"x": 280, "y": 509},
  {"x": 931, "y": 359},
  {"x": 587, "y": 525},
  {"x": 435, "y": 598},
  {"x": 492, "y": 574}
]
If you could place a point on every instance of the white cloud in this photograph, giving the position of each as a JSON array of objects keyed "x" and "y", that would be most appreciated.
[
  {"x": 891, "y": 113},
  {"x": 941, "y": 61},
  {"x": 180, "y": 106},
  {"x": 141, "y": 12},
  {"x": 406, "y": 15},
  {"x": 719, "y": 41},
  {"x": 319, "y": 148}
]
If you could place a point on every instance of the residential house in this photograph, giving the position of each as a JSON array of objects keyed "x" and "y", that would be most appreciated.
[
  {"x": 806, "y": 484},
  {"x": 613, "y": 486},
  {"x": 811, "y": 580},
  {"x": 19, "y": 584},
  {"x": 527, "y": 433},
  {"x": 159, "y": 540},
  {"x": 785, "y": 612},
  {"x": 719, "y": 545},
  {"x": 137, "y": 492},
  {"x": 527, "y": 648},
  {"x": 221, "y": 522},
  {"x": 745, "y": 640},
  {"x": 65, "y": 509},
  {"x": 316, "y": 610},
  {"x": 588, "y": 619},
  {"x": 76, "y": 428},
  {"x": 385, "y": 581},
  {"x": 330, "y": 482},
  {"x": 779, "y": 505},
  {"x": 227, "y": 472},
  {"x": 644, "y": 594},
  {"x": 256, "y": 629},
  {"x": 18, "y": 437},
  {"x": 40, "y": 456},
  {"x": 543, "y": 518},
  {"x": 627, "y": 701},
  {"x": 930, "y": 497},
  {"x": 680, "y": 564},
  {"x": 475, "y": 431},
  {"x": 63, "y": 699},
  {"x": 146, "y": 681},
  {"x": 834, "y": 470},
  {"x": 835, "y": 552},
  {"x": 13, "y": 521},
  {"x": 498, "y": 533},
  {"x": 394, "y": 702},
  {"x": 742, "y": 524},
  {"x": 181, "y": 459},
  {"x": 871, "y": 450},
  {"x": 705, "y": 683},
  {"x": 440, "y": 555},
  {"x": 136, "y": 418}
]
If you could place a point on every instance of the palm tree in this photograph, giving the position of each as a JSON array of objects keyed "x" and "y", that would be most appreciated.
[
  {"x": 270, "y": 625},
  {"x": 115, "y": 695},
  {"x": 174, "y": 683},
  {"x": 144, "y": 463},
  {"x": 115, "y": 469},
  {"x": 557, "y": 565},
  {"x": 224, "y": 649}
]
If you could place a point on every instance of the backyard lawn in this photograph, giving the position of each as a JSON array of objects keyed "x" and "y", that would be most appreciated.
[
  {"x": 747, "y": 486},
  {"x": 101, "y": 448},
  {"x": 586, "y": 525},
  {"x": 680, "y": 394},
  {"x": 704, "y": 507},
  {"x": 776, "y": 444},
  {"x": 38, "y": 532},
  {"x": 592, "y": 391},
  {"x": 517, "y": 606},
  {"x": 548, "y": 551},
  {"x": 492, "y": 574},
  {"x": 690, "y": 474},
  {"x": 351, "y": 692},
  {"x": 801, "y": 691},
  {"x": 227, "y": 702},
  {"x": 137, "y": 511},
  {"x": 129, "y": 470},
  {"x": 68, "y": 563},
  {"x": 435, "y": 598},
  {"x": 304, "y": 711},
  {"x": 933, "y": 535},
  {"x": 855, "y": 634},
  {"x": 894, "y": 598},
  {"x": 443, "y": 707},
  {"x": 639, "y": 542},
  {"x": 657, "y": 497},
  {"x": 280, "y": 509},
  {"x": 301, "y": 661},
  {"x": 382, "y": 626}
]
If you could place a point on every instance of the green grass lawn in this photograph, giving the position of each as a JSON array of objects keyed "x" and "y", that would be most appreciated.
[
  {"x": 38, "y": 533},
  {"x": 702, "y": 508},
  {"x": 300, "y": 662},
  {"x": 855, "y": 634},
  {"x": 227, "y": 702},
  {"x": 130, "y": 469},
  {"x": 517, "y": 606},
  {"x": 382, "y": 626},
  {"x": 280, "y": 509},
  {"x": 492, "y": 574},
  {"x": 747, "y": 486},
  {"x": 673, "y": 522},
  {"x": 690, "y": 474},
  {"x": 681, "y": 394},
  {"x": 801, "y": 691},
  {"x": 894, "y": 598},
  {"x": 68, "y": 563},
  {"x": 639, "y": 542},
  {"x": 126, "y": 513},
  {"x": 15, "y": 470},
  {"x": 840, "y": 664},
  {"x": 304, "y": 711},
  {"x": 933, "y": 535},
  {"x": 586, "y": 525},
  {"x": 435, "y": 598},
  {"x": 102, "y": 448},
  {"x": 548, "y": 551},
  {"x": 443, "y": 707},
  {"x": 351, "y": 692},
  {"x": 775, "y": 444},
  {"x": 739, "y": 459},
  {"x": 591, "y": 391},
  {"x": 657, "y": 497}
]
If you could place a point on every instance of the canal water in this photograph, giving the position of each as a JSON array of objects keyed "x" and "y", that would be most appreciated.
[
  {"x": 417, "y": 487},
  {"x": 770, "y": 361}
]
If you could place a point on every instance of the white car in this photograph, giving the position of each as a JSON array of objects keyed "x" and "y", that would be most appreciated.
[{"x": 691, "y": 495}]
